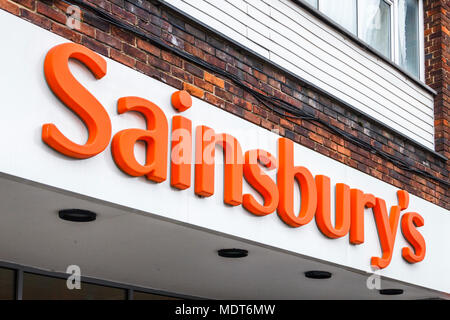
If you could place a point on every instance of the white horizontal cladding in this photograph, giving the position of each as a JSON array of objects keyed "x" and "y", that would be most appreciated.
[
  {"x": 293, "y": 39},
  {"x": 29, "y": 104}
]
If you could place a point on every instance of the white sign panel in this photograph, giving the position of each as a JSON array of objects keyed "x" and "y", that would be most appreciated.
[{"x": 28, "y": 103}]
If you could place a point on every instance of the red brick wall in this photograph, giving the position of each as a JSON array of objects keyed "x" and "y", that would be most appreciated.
[
  {"x": 220, "y": 92},
  {"x": 437, "y": 66}
]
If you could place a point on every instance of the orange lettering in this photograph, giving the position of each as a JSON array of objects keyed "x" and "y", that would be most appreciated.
[
  {"x": 261, "y": 182},
  {"x": 411, "y": 220},
  {"x": 204, "y": 161},
  {"x": 359, "y": 201},
  {"x": 323, "y": 211},
  {"x": 315, "y": 198},
  {"x": 181, "y": 157},
  {"x": 234, "y": 162},
  {"x": 285, "y": 178},
  {"x": 206, "y": 140},
  {"x": 387, "y": 232},
  {"x": 181, "y": 100},
  {"x": 78, "y": 99},
  {"x": 156, "y": 138}
]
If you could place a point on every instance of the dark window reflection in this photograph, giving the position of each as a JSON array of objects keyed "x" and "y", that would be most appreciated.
[
  {"x": 38, "y": 287},
  {"x": 7, "y": 279}
]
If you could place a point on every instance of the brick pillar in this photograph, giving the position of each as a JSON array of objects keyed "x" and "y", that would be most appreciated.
[{"x": 437, "y": 67}]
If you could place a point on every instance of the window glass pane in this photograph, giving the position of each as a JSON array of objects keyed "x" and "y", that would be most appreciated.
[
  {"x": 39, "y": 287},
  {"x": 312, "y": 2},
  {"x": 374, "y": 21},
  {"x": 408, "y": 12},
  {"x": 7, "y": 277},
  {"x": 342, "y": 12},
  {"x": 138, "y": 295}
]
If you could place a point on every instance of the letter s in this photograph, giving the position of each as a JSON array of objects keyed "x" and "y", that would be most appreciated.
[
  {"x": 411, "y": 220},
  {"x": 78, "y": 99},
  {"x": 261, "y": 182}
]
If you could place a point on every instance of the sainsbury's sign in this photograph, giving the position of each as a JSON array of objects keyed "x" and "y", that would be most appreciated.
[{"x": 238, "y": 165}]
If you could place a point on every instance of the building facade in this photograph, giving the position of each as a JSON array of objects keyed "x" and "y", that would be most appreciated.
[{"x": 348, "y": 102}]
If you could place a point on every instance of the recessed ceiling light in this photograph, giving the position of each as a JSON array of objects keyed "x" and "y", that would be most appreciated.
[
  {"x": 233, "y": 253},
  {"x": 391, "y": 292},
  {"x": 315, "y": 274},
  {"x": 77, "y": 215}
]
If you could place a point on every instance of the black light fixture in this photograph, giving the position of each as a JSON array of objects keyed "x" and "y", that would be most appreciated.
[
  {"x": 391, "y": 292},
  {"x": 316, "y": 274},
  {"x": 77, "y": 215},
  {"x": 233, "y": 253}
]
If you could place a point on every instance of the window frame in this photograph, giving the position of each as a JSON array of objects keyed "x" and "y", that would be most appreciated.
[
  {"x": 421, "y": 42},
  {"x": 356, "y": 18},
  {"x": 356, "y": 21},
  {"x": 394, "y": 33}
]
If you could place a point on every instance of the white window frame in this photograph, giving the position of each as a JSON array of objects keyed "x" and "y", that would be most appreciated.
[
  {"x": 392, "y": 28},
  {"x": 420, "y": 34},
  {"x": 395, "y": 56},
  {"x": 357, "y": 20},
  {"x": 421, "y": 42}
]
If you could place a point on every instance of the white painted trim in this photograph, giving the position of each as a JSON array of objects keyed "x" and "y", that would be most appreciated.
[
  {"x": 392, "y": 28},
  {"x": 421, "y": 41}
]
